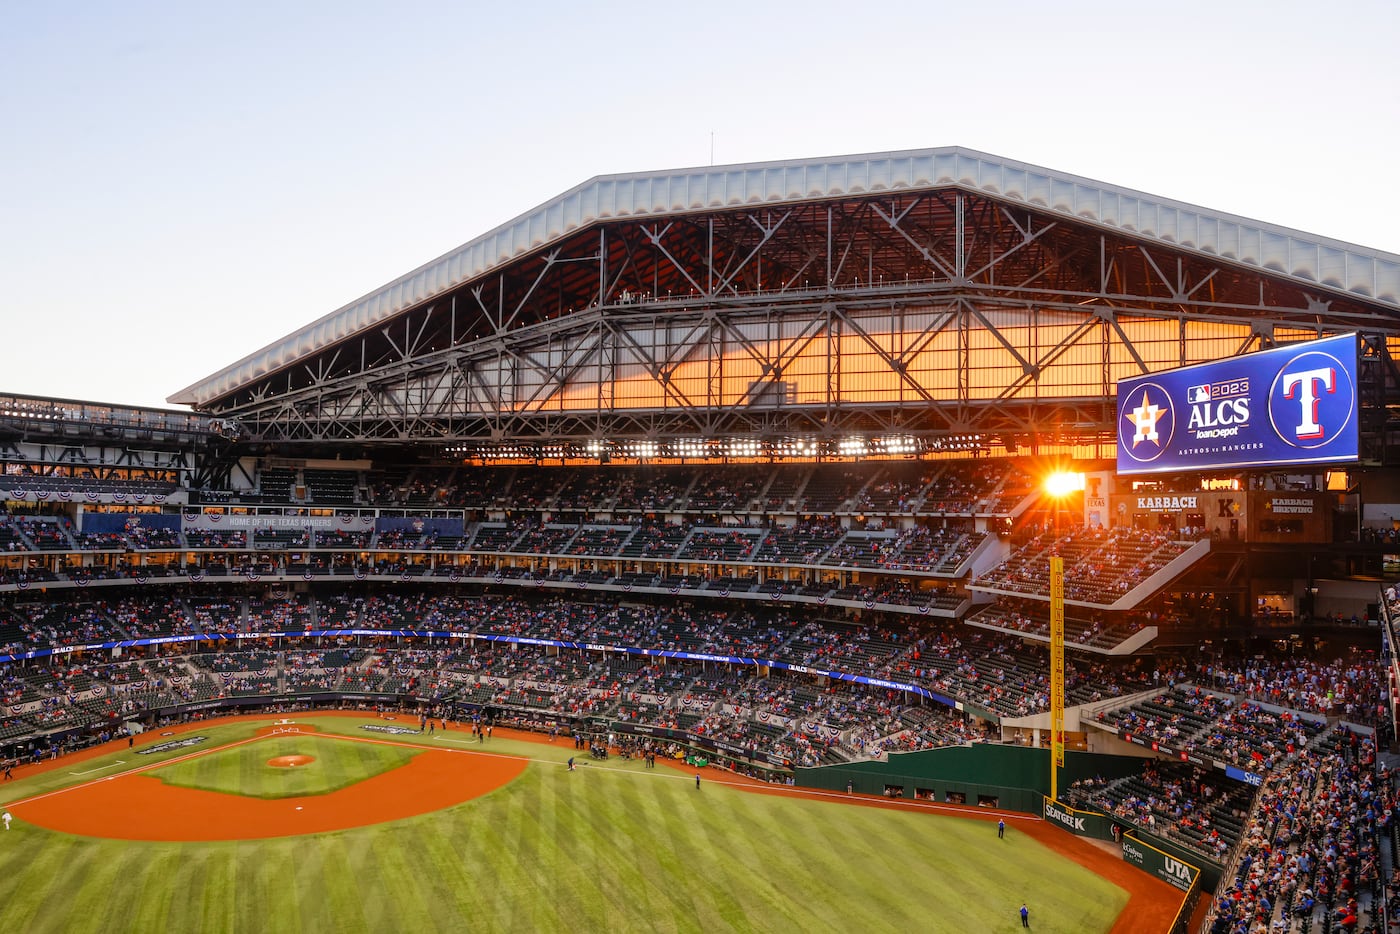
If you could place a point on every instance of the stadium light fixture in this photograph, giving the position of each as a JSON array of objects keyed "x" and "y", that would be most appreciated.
[
  {"x": 957, "y": 443},
  {"x": 896, "y": 445},
  {"x": 852, "y": 447},
  {"x": 795, "y": 447},
  {"x": 742, "y": 447},
  {"x": 690, "y": 447}
]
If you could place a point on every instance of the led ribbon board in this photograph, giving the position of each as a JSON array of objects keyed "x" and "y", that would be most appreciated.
[{"x": 1290, "y": 405}]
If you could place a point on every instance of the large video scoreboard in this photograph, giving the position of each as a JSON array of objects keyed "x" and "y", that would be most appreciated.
[{"x": 1290, "y": 405}]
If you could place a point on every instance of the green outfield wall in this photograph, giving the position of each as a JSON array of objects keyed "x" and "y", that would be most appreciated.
[{"x": 1017, "y": 778}]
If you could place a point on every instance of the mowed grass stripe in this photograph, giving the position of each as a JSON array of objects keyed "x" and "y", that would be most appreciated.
[
  {"x": 344, "y": 869},
  {"x": 663, "y": 862},
  {"x": 449, "y": 899},
  {"x": 532, "y": 834},
  {"x": 525, "y": 901},
  {"x": 164, "y": 903},
  {"x": 608, "y": 824},
  {"x": 911, "y": 837},
  {"x": 658, "y": 862},
  {"x": 87, "y": 908},
  {"x": 395, "y": 866},
  {"x": 308, "y": 873},
  {"x": 812, "y": 852},
  {"x": 655, "y": 887},
  {"x": 563, "y": 828},
  {"x": 720, "y": 812},
  {"x": 704, "y": 841},
  {"x": 195, "y": 882},
  {"x": 32, "y": 858},
  {"x": 253, "y": 885},
  {"x": 356, "y": 849}
]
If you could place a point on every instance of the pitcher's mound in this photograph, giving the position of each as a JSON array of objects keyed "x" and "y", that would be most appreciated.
[{"x": 290, "y": 762}]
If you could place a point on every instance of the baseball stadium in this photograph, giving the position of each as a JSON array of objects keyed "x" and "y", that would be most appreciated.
[{"x": 909, "y": 541}]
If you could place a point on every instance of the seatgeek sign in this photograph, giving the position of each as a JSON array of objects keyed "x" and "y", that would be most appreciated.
[{"x": 1290, "y": 405}]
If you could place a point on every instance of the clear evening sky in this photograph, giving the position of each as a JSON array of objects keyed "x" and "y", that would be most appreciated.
[{"x": 183, "y": 183}]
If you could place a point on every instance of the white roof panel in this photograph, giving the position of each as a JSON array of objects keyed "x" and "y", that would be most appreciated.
[{"x": 1366, "y": 273}]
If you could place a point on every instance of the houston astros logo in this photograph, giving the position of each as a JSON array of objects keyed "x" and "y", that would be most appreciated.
[
  {"x": 1150, "y": 419},
  {"x": 1311, "y": 400},
  {"x": 1145, "y": 418}
]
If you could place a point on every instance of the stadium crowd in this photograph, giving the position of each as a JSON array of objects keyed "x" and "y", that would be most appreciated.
[{"x": 1306, "y": 850}]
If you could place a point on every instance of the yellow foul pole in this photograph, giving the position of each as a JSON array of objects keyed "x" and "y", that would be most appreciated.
[{"x": 1057, "y": 672}]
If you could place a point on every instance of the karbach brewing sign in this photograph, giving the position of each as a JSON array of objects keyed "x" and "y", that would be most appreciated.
[
  {"x": 1167, "y": 503},
  {"x": 1290, "y": 405}
]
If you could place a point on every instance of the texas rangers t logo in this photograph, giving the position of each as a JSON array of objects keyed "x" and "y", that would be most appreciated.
[
  {"x": 1312, "y": 400},
  {"x": 1306, "y": 385}
]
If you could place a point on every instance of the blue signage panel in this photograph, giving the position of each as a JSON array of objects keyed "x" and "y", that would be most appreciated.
[
  {"x": 1290, "y": 405},
  {"x": 1240, "y": 775}
]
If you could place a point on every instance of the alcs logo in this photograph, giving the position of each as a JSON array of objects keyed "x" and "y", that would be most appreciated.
[{"x": 1312, "y": 400}]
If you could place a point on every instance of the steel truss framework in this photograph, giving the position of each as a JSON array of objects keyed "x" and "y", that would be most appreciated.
[{"x": 927, "y": 314}]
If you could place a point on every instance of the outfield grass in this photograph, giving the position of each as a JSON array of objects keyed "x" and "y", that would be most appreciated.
[
  {"x": 243, "y": 770},
  {"x": 611, "y": 847}
]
